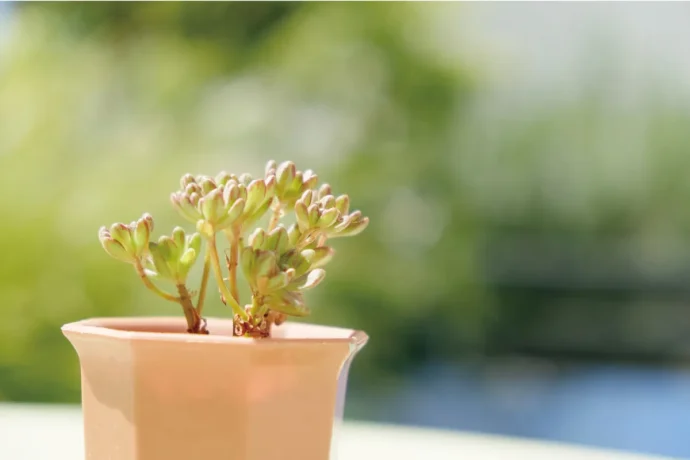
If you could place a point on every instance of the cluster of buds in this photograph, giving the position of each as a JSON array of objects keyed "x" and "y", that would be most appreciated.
[
  {"x": 279, "y": 264},
  {"x": 226, "y": 202},
  {"x": 278, "y": 272},
  {"x": 174, "y": 256},
  {"x": 290, "y": 183},
  {"x": 320, "y": 215},
  {"x": 127, "y": 243}
]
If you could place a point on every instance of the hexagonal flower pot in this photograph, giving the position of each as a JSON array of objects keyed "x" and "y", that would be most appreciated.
[{"x": 150, "y": 391}]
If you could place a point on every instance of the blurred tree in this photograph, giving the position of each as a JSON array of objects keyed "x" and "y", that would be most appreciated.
[{"x": 489, "y": 218}]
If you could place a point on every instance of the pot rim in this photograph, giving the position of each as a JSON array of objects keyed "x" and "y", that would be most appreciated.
[{"x": 290, "y": 332}]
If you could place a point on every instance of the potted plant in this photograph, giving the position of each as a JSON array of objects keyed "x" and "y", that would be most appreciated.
[{"x": 248, "y": 388}]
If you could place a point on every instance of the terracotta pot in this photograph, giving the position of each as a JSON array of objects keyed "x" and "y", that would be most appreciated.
[{"x": 150, "y": 391}]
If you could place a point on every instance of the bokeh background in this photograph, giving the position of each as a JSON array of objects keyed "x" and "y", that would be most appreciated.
[{"x": 526, "y": 168}]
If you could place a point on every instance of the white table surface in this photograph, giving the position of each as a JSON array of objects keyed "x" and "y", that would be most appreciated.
[{"x": 36, "y": 432}]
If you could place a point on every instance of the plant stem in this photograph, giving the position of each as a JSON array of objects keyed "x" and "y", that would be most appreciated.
[
  {"x": 256, "y": 306},
  {"x": 277, "y": 211},
  {"x": 149, "y": 284},
  {"x": 190, "y": 313},
  {"x": 229, "y": 299},
  {"x": 232, "y": 265},
  {"x": 204, "y": 282}
]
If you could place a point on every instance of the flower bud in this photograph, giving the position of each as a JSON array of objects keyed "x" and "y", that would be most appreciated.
[
  {"x": 277, "y": 240},
  {"x": 123, "y": 235},
  {"x": 270, "y": 169},
  {"x": 149, "y": 221},
  {"x": 302, "y": 215},
  {"x": 313, "y": 211},
  {"x": 309, "y": 180},
  {"x": 194, "y": 199},
  {"x": 285, "y": 174},
  {"x": 185, "y": 207},
  {"x": 113, "y": 248},
  {"x": 222, "y": 178},
  {"x": 207, "y": 185},
  {"x": 233, "y": 214},
  {"x": 257, "y": 238},
  {"x": 328, "y": 218},
  {"x": 186, "y": 180},
  {"x": 295, "y": 188},
  {"x": 294, "y": 234},
  {"x": 178, "y": 236},
  {"x": 324, "y": 190},
  {"x": 192, "y": 188},
  {"x": 141, "y": 236},
  {"x": 212, "y": 206},
  {"x": 270, "y": 182},
  {"x": 245, "y": 179},
  {"x": 313, "y": 278},
  {"x": 342, "y": 203},
  {"x": 256, "y": 193},
  {"x": 307, "y": 197}
]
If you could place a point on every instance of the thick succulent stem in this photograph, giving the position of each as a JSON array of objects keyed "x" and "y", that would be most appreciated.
[
  {"x": 194, "y": 325},
  {"x": 256, "y": 310},
  {"x": 204, "y": 282},
  {"x": 149, "y": 284},
  {"x": 215, "y": 263},
  {"x": 232, "y": 265}
]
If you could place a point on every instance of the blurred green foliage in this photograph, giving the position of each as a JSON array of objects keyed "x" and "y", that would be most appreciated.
[{"x": 104, "y": 106}]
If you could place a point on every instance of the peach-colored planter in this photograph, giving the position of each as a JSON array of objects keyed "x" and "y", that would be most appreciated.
[{"x": 150, "y": 391}]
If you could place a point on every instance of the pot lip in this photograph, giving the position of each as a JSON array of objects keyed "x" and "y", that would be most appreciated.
[{"x": 299, "y": 333}]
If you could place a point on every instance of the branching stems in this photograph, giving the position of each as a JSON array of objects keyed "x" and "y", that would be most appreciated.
[
  {"x": 257, "y": 303},
  {"x": 227, "y": 295},
  {"x": 190, "y": 313},
  {"x": 232, "y": 262},
  {"x": 204, "y": 282},
  {"x": 149, "y": 284}
]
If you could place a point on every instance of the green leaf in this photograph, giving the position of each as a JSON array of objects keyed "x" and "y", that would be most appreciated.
[
  {"x": 159, "y": 260},
  {"x": 141, "y": 236},
  {"x": 247, "y": 261},
  {"x": 233, "y": 214},
  {"x": 328, "y": 218},
  {"x": 312, "y": 279},
  {"x": 342, "y": 204},
  {"x": 194, "y": 242},
  {"x": 115, "y": 250},
  {"x": 302, "y": 215},
  {"x": 178, "y": 237},
  {"x": 123, "y": 235},
  {"x": 265, "y": 264},
  {"x": 322, "y": 256},
  {"x": 289, "y": 303},
  {"x": 256, "y": 192},
  {"x": 257, "y": 238}
]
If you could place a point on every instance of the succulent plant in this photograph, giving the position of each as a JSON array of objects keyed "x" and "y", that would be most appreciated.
[{"x": 278, "y": 263}]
